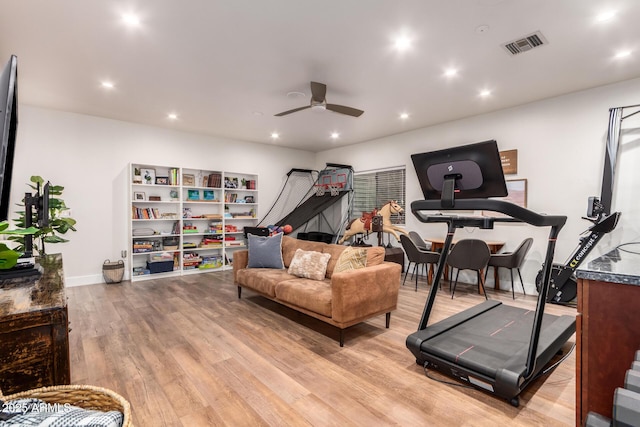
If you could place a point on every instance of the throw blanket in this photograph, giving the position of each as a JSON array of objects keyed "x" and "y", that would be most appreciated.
[{"x": 37, "y": 413}]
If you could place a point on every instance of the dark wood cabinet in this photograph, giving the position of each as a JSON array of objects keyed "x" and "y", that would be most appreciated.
[
  {"x": 34, "y": 330},
  {"x": 608, "y": 335}
]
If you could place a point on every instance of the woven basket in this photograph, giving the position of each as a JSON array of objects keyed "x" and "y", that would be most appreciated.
[
  {"x": 82, "y": 396},
  {"x": 113, "y": 271}
]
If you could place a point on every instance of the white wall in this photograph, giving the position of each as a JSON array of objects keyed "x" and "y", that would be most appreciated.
[
  {"x": 89, "y": 156},
  {"x": 561, "y": 145}
]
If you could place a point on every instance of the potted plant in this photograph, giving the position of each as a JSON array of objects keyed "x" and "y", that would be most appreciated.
[
  {"x": 8, "y": 256},
  {"x": 59, "y": 222}
]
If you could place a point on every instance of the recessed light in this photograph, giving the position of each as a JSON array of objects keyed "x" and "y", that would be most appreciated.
[
  {"x": 335, "y": 135},
  {"x": 450, "y": 72},
  {"x": 131, "y": 19},
  {"x": 107, "y": 84},
  {"x": 606, "y": 16},
  {"x": 623, "y": 54},
  {"x": 485, "y": 93},
  {"x": 172, "y": 116},
  {"x": 275, "y": 135},
  {"x": 482, "y": 29},
  {"x": 404, "y": 116},
  {"x": 402, "y": 43}
]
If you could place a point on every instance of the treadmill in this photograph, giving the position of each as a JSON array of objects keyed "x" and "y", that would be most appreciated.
[{"x": 492, "y": 346}]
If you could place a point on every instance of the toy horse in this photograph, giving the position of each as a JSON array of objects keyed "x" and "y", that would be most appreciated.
[{"x": 363, "y": 224}]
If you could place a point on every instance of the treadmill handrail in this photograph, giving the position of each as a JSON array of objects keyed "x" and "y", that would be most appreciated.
[{"x": 502, "y": 206}]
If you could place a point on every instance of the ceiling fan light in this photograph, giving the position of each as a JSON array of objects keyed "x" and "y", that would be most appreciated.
[{"x": 318, "y": 107}]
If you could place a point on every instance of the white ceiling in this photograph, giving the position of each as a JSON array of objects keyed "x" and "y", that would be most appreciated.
[{"x": 225, "y": 67}]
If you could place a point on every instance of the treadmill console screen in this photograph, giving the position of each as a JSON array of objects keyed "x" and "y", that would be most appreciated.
[{"x": 474, "y": 170}]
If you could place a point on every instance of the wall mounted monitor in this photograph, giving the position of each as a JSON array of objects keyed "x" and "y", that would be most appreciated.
[{"x": 8, "y": 129}]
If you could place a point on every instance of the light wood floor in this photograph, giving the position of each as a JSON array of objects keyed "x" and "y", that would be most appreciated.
[{"x": 186, "y": 352}]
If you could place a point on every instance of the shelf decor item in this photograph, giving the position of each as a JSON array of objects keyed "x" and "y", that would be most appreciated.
[
  {"x": 148, "y": 175},
  {"x": 193, "y": 194},
  {"x": 208, "y": 195},
  {"x": 188, "y": 179},
  {"x": 162, "y": 180},
  {"x": 139, "y": 195}
]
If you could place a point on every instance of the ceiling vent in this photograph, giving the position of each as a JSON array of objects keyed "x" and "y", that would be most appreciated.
[{"x": 525, "y": 43}]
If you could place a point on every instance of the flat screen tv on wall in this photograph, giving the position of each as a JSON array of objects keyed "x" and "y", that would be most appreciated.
[{"x": 8, "y": 129}]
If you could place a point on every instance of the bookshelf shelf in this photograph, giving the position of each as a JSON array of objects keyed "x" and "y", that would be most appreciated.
[{"x": 171, "y": 199}]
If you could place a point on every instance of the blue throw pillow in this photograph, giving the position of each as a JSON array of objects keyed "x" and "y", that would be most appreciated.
[{"x": 265, "y": 252}]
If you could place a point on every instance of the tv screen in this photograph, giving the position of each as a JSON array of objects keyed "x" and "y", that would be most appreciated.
[
  {"x": 474, "y": 170},
  {"x": 8, "y": 127}
]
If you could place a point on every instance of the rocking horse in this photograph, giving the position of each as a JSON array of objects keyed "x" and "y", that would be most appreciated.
[{"x": 363, "y": 224}]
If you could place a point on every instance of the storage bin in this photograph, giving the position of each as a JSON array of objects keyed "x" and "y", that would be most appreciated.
[{"x": 160, "y": 266}]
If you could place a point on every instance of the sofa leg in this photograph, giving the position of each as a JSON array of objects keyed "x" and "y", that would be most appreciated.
[
  {"x": 341, "y": 337},
  {"x": 388, "y": 320},
  {"x": 239, "y": 291}
]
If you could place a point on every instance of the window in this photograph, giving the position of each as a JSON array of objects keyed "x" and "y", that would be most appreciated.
[{"x": 375, "y": 188}]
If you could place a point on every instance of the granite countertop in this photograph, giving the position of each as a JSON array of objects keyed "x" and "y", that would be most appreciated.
[
  {"x": 36, "y": 292},
  {"x": 620, "y": 265}
]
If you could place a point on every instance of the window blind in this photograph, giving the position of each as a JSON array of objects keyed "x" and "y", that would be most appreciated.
[{"x": 373, "y": 189}]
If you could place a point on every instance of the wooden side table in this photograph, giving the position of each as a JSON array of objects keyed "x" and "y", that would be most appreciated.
[{"x": 34, "y": 329}]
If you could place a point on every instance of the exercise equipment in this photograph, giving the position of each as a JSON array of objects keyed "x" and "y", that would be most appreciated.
[
  {"x": 563, "y": 286},
  {"x": 492, "y": 346}
]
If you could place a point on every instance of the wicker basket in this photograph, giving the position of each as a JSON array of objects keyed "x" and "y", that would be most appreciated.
[
  {"x": 82, "y": 396},
  {"x": 113, "y": 271}
]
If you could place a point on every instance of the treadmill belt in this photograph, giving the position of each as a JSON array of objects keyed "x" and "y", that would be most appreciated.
[{"x": 489, "y": 341}]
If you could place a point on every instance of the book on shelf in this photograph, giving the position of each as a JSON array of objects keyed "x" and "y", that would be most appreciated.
[{"x": 214, "y": 180}]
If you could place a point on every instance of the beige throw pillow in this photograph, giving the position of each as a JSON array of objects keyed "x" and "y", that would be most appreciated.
[
  {"x": 309, "y": 264},
  {"x": 351, "y": 258}
]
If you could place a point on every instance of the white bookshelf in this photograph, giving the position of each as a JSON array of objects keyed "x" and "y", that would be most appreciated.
[{"x": 187, "y": 221}]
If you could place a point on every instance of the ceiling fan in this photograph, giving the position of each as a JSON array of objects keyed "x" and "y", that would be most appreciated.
[{"x": 318, "y": 101}]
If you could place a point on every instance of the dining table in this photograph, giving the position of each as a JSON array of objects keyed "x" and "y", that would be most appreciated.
[{"x": 494, "y": 247}]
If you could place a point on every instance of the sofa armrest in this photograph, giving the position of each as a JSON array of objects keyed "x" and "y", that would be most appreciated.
[
  {"x": 356, "y": 294},
  {"x": 240, "y": 261}
]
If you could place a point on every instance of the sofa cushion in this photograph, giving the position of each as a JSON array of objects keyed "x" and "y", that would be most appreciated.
[
  {"x": 351, "y": 258},
  {"x": 312, "y": 295},
  {"x": 263, "y": 280},
  {"x": 309, "y": 264},
  {"x": 290, "y": 244},
  {"x": 335, "y": 251},
  {"x": 375, "y": 255},
  {"x": 265, "y": 252}
]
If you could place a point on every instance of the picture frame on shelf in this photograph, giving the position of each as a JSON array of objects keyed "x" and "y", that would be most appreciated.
[
  {"x": 162, "y": 180},
  {"x": 208, "y": 195},
  {"x": 193, "y": 194},
  {"x": 148, "y": 175},
  {"x": 249, "y": 199},
  {"x": 139, "y": 196},
  {"x": 188, "y": 179}
]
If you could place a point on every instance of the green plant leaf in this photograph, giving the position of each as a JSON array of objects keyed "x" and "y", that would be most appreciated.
[
  {"x": 54, "y": 239},
  {"x": 8, "y": 257}
]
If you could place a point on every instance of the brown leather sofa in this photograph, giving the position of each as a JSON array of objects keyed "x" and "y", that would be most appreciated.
[{"x": 342, "y": 299}]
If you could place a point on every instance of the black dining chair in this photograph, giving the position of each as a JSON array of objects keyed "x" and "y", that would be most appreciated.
[
  {"x": 511, "y": 260},
  {"x": 469, "y": 254},
  {"x": 419, "y": 241},
  {"x": 417, "y": 257}
]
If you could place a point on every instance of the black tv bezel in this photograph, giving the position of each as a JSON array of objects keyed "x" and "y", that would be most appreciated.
[
  {"x": 8, "y": 127},
  {"x": 485, "y": 154}
]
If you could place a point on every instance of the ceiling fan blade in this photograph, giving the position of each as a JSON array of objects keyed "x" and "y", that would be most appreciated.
[
  {"x": 345, "y": 110},
  {"x": 284, "y": 113},
  {"x": 318, "y": 91}
]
